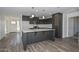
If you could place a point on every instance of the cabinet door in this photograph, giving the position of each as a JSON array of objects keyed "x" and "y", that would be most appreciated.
[
  {"x": 58, "y": 24},
  {"x": 51, "y": 35},
  {"x": 38, "y": 36},
  {"x": 24, "y": 40},
  {"x": 45, "y": 35},
  {"x": 41, "y": 36},
  {"x": 30, "y": 38}
]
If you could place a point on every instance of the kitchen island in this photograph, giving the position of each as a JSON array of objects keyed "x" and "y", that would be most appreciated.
[{"x": 36, "y": 35}]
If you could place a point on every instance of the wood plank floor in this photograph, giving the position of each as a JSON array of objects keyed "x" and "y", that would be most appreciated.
[
  {"x": 13, "y": 43},
  {"x": 49, "y": 46}
]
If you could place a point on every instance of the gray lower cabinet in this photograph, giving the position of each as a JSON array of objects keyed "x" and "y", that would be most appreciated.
[
  {"x": 32, "y": 37},
  {"x": 51, "y": 35},
  {"x": 24, "y": 40}
]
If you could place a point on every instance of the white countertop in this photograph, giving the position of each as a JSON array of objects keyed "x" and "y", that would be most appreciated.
[{"x": 36, "y": 30}]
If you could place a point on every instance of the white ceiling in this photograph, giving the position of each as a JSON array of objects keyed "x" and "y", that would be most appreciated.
[{"x": 42, "y": 11}]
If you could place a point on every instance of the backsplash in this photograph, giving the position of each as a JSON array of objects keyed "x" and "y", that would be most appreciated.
[{"x": 26, "y": 25}]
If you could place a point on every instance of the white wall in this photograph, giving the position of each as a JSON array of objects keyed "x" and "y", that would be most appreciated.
[
  {"x": 2, "y": 27},
  {"x": 70, "y": 27},
  {"x": 71, "y": 15},
  {"x": 76, "y": 25},
  {"x": 64, "y": 26},
  {"x": 67, "y": 22}
]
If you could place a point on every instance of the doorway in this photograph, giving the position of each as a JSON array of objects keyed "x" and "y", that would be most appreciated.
[{"x": 12, "y": 24}]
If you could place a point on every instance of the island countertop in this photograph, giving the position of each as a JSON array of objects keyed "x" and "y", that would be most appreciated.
[{"x": 36, "y": 30}]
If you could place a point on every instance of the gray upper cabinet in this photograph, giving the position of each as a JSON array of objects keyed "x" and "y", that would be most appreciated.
[
  {"x": 25, "y": 18},
  {"x": 36, "y": 20},
  {"x": 57, "y": 24},
  {"x": 41, "y": 21},
  {"x": 45, "y": 21}
]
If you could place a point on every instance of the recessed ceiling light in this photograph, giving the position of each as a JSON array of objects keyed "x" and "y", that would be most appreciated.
[
  {"x": 32, "y": 7},
  {"x": 37, "y": 10}
]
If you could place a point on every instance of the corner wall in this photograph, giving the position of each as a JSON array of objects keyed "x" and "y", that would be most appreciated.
[
  {"x": 2, "y": 27},
  {"x": 66, "y": 22},
  {"x": 3, "y": 23},
  {"x": 64, "y": 26}
]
